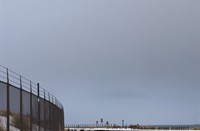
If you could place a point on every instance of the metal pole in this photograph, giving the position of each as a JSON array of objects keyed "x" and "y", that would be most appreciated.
[
  {"x": 8, "y": 102},
  {"x": 44, "y": 111},
  {"x": 38, "y": 91},
  {"x": 53, "y": 114},
  {"x": 21, "y": 120},
  {"x": 50, "y": 113},
  {"x": 63, "y": 119},
  {"x": 31, "y": 111}
]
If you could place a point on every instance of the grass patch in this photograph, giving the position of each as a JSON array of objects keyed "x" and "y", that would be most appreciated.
[
  {"x": 198, "y": 128},
  {"x": 25, "y": 122},
  {"x": 3, "y": 113},
  {"x": 1, "y": 129}
]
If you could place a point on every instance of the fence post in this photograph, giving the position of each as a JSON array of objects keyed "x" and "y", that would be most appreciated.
[
  {"x": 50, "y": 125},
  {"x": 21, "y": 120},
  {"x": 53, "y": 115},
  {"x": 63, "y": 119},
  {"x": 44, "y": 111},
  {"x": 53, "y": 118},
  {"x": 31, "y": 111},
  {"x": 38, "y": 91},
  {"x": 8, "y": 102}
]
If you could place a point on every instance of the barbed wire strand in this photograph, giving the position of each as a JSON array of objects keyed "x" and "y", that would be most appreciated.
[{"x": 15, "y": 81}]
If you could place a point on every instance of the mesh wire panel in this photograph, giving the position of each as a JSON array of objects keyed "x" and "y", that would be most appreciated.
[
  {"x": 42, "y": 121},
  {"x": 54, "y": 117},
  {"x": 62, "y": 119},
  {"x": 3, "y": 97},
  {"x": 47, "y": 114},
  {"x": 26, "y": 110},
  {"x": 34, "y": 113},
  {"x": 15, "y": 107},
  {"x": 57, "y": 118},
  {"x": 51, "y": 110},
  {"x": 3, "y": 106}
]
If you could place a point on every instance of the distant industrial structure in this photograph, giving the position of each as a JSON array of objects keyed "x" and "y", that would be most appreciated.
[{"x": 113, "y": 127}]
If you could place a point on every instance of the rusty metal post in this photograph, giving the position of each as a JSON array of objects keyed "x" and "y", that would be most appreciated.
[
  {"x": 50, "y": 123},
  {"x": 31, "y": 110},
  {"x": 21, "y": 120},
  {"x": 38, "y": 91},
  {"x": 44, "y": 111},
  {"x": 8, "y": 101}
]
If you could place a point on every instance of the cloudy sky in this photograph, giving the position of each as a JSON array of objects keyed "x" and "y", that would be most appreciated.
[{"x": 133, "y": 60}]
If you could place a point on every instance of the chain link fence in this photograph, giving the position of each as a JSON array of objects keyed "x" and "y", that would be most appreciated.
[{"x": 26, "y": 106}]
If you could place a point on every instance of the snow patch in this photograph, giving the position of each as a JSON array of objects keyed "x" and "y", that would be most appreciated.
[{"x": 3, "y": 123}]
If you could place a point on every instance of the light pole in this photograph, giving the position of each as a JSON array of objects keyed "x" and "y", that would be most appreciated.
[{"x": 102, "y": 121}]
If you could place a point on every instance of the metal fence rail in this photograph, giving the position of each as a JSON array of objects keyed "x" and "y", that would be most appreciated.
[{"x": 26, "y": 105}]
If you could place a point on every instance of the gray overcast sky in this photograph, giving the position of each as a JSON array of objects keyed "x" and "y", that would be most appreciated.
[{"x": 135, "y": 60}]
